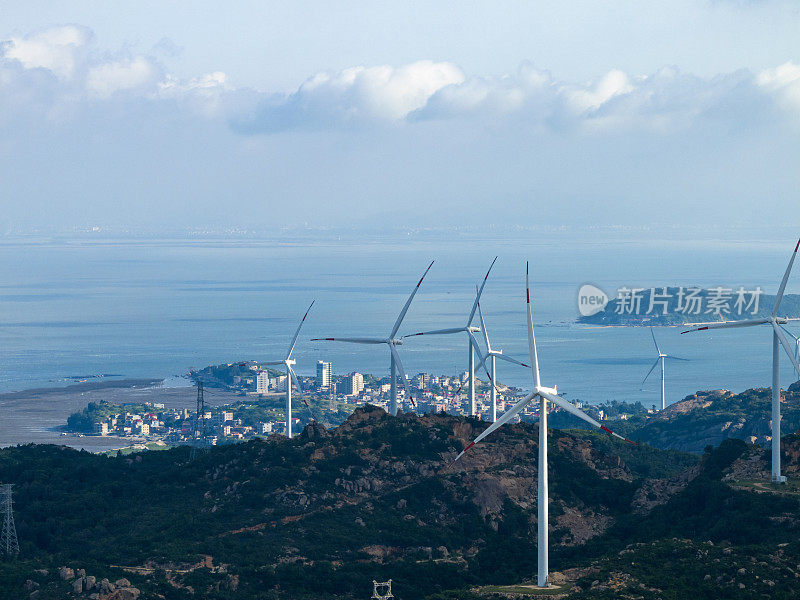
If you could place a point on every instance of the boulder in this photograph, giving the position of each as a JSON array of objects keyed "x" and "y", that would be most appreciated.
[
  {"x": 77, "y": 585},
  {"x": 30, "y": 585},
  {"x": 90, "y": 582},
  {"x": 120, "y": 583},
  {"x": 66, "y": 573},
  {"x": 125, "y": 593}
]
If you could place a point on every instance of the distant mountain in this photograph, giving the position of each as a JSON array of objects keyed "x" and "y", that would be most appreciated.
[
  {"x": 657, "y": 307},
  {"x": 323, "y": 514}
]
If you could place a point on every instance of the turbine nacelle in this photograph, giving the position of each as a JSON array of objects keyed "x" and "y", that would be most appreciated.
[{"x": 540, "y": 389}]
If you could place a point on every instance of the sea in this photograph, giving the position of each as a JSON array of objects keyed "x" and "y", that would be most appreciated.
[{"x": 87, "y": 304}]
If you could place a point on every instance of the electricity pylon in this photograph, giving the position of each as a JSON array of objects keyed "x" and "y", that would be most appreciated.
[
  {"x": 8, "y": 537},
  {"x": 199, "y": 429},
  {"x": 381, "y": 591}
]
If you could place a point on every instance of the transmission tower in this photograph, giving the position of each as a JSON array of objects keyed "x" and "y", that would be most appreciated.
[
  {"x": 8, "y": 537},
  {"x": 199, "y": 430},
  {"x": 381, "y": 591}
]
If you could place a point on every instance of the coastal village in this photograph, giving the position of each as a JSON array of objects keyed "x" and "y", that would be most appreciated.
[{"x": 258, "y": 408}]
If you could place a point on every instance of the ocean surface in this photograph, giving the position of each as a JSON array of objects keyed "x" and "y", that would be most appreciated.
[{"x": 84, "y": 305}]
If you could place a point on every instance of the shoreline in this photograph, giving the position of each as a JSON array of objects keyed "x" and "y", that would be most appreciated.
[
  {"x": 39, "y": 415},
  {"x": 85, "y": 386}
]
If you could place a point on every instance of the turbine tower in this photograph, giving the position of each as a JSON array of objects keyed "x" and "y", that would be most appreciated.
[
  {"x": 778, "y": 339},
  {"x": 544, "y": 394},
  {"x": 392, "y": 342},
  {"x": 661, "y": 357},
  {"x": 492, "y": 355},
  {"x": 472, "y": 343},
  {"x": 8, "y": 537},
  {"x": 291, "y": 378}
]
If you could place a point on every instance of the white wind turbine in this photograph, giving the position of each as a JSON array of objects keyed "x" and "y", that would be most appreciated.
[
  {"x": 291, "y": 378},
  {"x": 796, "y": 343},
  {"x": 390, "y": 341},
  {"x": 472, "y": 343},
  {"x": 778, "y": 339},
  {"x": 544, "y": 394},
  {"x": 660, "y": 358},
  {"x": 492, "y": 355}
]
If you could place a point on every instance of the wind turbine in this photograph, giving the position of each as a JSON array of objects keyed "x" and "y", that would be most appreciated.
[
  {"x": 796, "y": 343},
  {"x": 472, "y": 343},
  {"x": 660, "y": 358},
  {"x": 290, "y": 375},
  {"x": 491, "y": 355},
  {"x": 392, "y": 342},
  {"x": 778, "y": 339},
  {"x": 544, "y": 394}
]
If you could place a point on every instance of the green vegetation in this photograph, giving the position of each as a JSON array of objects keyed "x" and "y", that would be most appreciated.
[{"x": 321, "y": 515}]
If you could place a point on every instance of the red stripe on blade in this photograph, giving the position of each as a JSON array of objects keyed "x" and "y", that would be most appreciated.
[
  {"x": 606, "y": 429},
  {"x": 471, "y": 444}
]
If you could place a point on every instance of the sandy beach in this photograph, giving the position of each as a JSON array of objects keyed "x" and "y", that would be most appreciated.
[{"x": 33, "y": 416}]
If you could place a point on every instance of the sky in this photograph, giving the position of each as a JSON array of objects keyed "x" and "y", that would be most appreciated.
[{"x": 155, "y": 116}]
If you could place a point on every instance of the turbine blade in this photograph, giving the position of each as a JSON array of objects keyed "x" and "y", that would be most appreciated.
[
  {"x": 296, "y": 384},
  {"x": 729, "y": 324},
  {"x": 478, "y": 295},
  {"x": 481, "y": 358},
  {"x": 438, "y": 332},
  {"x": 580, "y": 414},
  {"x": 483, "y": 329},
  {"x": 408, "y": 303},
  {"x": 271, "y": 363},
  {"x": 531, "y": 338},
  {"x": 399, "y": 365},
  {"x": 678, "y": 358},
  {"x": 781, "y": 289},
  {"x": 351, "y": 340},
  {"x": 505, "y": 418},
  {"x": 788, "y": 347},
  {"x": 654, "y": 340},
  {"x": 512, "y": 360},
  {"x": 300, "y": 393},
  {"x": 655, "y": 364},
  {"x": 297, "y": 333}
]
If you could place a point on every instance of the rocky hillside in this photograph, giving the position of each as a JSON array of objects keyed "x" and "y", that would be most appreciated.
[
  {"x": 708, "y": 418},
  {"x": 322, "y": 515}
]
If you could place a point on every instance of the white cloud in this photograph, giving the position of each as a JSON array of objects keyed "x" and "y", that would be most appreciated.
[
  {"x": 54, "y": 72},
  {"x": 784, "y": 83},
  {"x": 56, "y": 49},
  {"x": 356, "y": 95},
  {"x": 130, "y": 74}
]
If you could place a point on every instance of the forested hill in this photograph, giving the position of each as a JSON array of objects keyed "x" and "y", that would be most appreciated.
[
  {"x": 679, "y": 306},
  {"x": 323, "y": 514}
]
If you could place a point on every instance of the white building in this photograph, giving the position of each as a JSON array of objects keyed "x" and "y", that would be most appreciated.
[
  {"x": 262, "y": 382},
  {"x": 353, "y": 384},
  {"x": 324, "y": 372}
]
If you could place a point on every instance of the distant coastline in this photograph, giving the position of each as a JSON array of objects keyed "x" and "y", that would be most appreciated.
[
  {"x": 82, "y": 387},
  {"x": 672, "y": 313}
]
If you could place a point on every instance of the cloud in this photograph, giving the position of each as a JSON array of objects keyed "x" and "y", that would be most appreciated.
[
  {"x": 130, "y": 74},
  {"x": 56, "y": 49},
  {"x": 784, "y": 83},
  {"x": 56, "y": 73},
  {"x": 354, "y": 96}
]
